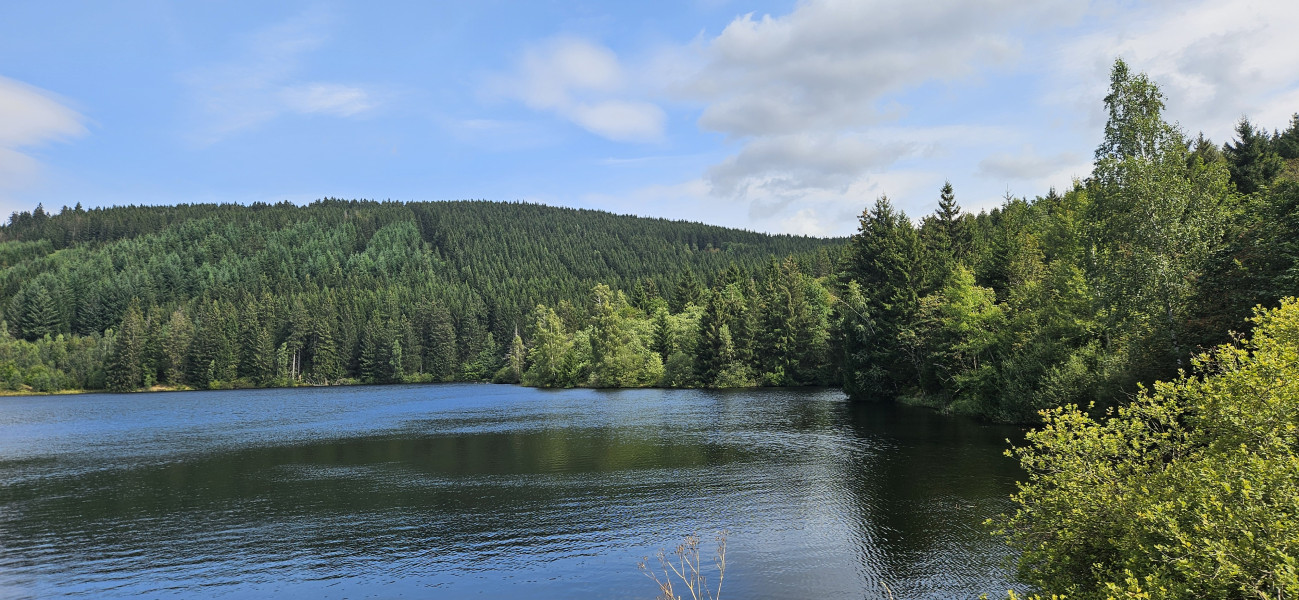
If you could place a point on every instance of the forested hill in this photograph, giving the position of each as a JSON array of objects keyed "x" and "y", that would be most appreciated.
[
  {"x": 1068, "y": 298},
  {"x": 318, "y": 279}
]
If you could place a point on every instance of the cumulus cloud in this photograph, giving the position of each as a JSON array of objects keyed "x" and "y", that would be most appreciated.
[
  {"x": 264, "y": 82},
  {"x": 833, "y": 103},
  {"x": 812, "y": 97},
  {"x": 29, "y": 118},
  {"x": 795, "y": 162},
  {"x": 582, "y": 82},
  {"x": 1215, "y": 60},
  {"x": 827, "y": 65}
]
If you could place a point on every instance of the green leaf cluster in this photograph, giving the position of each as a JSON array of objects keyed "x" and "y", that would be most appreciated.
[{"x": 1190, "y": 491}]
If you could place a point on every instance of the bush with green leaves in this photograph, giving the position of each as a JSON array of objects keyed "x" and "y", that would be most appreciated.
[{"x": 1190, "y": 491}]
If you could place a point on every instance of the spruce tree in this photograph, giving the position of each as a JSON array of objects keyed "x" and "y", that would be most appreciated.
[
  {"x": 40, "y": 316},
  {"x": 1251, "y": 159},
  {"x": 124, "y": 370}
]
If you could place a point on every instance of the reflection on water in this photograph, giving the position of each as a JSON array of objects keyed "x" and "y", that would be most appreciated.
[{"x": 453, "y": 490}]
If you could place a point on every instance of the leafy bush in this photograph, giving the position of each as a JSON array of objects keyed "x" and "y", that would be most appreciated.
[{"x": 1191, "y": 491}]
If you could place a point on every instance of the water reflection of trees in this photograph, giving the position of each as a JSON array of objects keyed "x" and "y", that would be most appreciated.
[
  {"x": 922, "y": 491},
  {"x": 412, "y": 492},
  {"x": 458, "y": 491}
]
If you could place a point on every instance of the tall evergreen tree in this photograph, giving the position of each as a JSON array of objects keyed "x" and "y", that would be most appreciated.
[
  {"x": 175, "y": 347},
  {"x": 440, "y": 343},
  {"x": 124, "y": 365},
  {"x": 886, "y": 261},
  {"x": 1251, "y": 158},
  {"x": 37, "y": 312},
  {"x": 687, "y": 291},
  {"x": 1287, "y": 142}
]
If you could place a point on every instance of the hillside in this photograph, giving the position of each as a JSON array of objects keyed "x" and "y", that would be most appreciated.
[{"x": 235, "y": 284}]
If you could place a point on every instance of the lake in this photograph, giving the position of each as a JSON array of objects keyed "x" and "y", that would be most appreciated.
[{"x": 492, "y": 491}]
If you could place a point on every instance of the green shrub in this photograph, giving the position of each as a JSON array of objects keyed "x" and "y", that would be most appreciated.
[{"x": 1190, "y": 491}]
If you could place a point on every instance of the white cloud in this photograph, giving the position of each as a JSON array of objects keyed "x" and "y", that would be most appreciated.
[
  {"x": 829, "y": 63},
  {"x": 812, "y": 97},
  {"x": 29, "y": 118},
  {"x": 1215, "y": 61},
  {"x": 582, "y": 82},
  {"x": 619, "y": 120},
  {"x": 264, "y": 83},
  {"x": 798, "y": 162},
  {"x": 822, "y": 107}
]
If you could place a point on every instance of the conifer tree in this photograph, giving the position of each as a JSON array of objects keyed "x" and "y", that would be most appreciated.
[
  {"x": 440, "y": 343},
  {"x": 39, "y": 316},
  {"x": 1252, "y": 160},
  {"x": 175, "y": 347},
  {"x": 664, "y": 338},
  {"x": 124, "y": 370}
]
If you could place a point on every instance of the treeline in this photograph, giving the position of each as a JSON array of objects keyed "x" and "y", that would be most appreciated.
[
  {"x": 750, "y": 329},
  {"x": 1187, "y": 490},
  {"x": 227, "y": 295},
  {"x": 1068, "y": 298},
  {"x": 1075, "y": 298}
]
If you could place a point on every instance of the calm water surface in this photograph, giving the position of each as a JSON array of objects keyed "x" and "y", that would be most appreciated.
[{"x": 491, "y": 492}]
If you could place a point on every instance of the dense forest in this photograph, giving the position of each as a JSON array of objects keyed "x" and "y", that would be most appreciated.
[
  {"x": 1067, "y": 298},
  {"x": 219, "y": 296}
]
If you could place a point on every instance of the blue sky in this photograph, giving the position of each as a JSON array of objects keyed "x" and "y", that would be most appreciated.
[{"x": 772, "y": 116}]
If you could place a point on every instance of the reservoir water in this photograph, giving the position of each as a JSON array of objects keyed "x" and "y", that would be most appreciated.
[{"x": 490, "y": 491}]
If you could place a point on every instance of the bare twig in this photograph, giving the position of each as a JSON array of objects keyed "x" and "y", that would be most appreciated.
[{"x": 686, "y": 567}]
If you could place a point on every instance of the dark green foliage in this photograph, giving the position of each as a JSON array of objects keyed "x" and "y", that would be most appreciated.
[
  {"x": 885, "y": 258},
  {"x": 1253, "y": 160},
  {"x": 1287, "y": 142},
  {"x": 687, "y": 291},
  {"x": 286, "y": 295},
  {"x": 125, "y": 372},
  {"x": 35, "y": 311},
  {"x": 1070, "y": 298}
]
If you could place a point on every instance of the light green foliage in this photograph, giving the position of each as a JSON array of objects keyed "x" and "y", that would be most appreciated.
[
  {"x": 623, "y": 346},
  {"x": 1155, "y": 219},
  {"x": 515, "y": 359},
  {"x": 1191, "y": 491},
  {"x": 620, "y": 356},
  {"x": 965, "y": 322},
  {"x": 550, "y": 357}
]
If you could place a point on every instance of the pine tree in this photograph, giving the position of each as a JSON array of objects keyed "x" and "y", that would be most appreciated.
[
  {"x": 39, "y": 315},
  {"x": 326, "y": 364},
  {"x": 440, "y": 343},
  {"x": 1252, "y": 160},
  {"x": 396, "y": 367},
  {"x": 664, "y": 338},
  {"x": 953, "y": 234},
  {"x": 1287, "y": 142},
  {"x": 687, "y": 292},
  {"x": 175, "y": 347},
  {"x": 886, "y": 261},
  {"x": 124, "y": 370}
]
